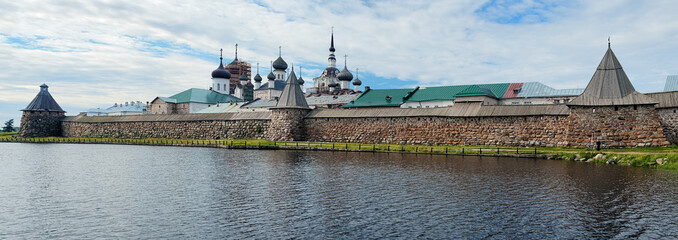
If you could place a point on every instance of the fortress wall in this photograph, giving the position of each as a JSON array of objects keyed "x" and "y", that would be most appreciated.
[
  {"x": 669, "y": 121},
  {"x": 176, "y": 129},
  {"x": 505, "y": 131},
  {"x": 616, "y": 126},
  {"x": 623, "y": 126},
  {"x": 40, "y": 124},
  {"x": 195, "y": 126}
]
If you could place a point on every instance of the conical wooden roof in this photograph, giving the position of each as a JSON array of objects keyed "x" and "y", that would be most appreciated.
[
  {"x": 43, "y": 102},
  {"x": 610, "y": 86},
  {"x": 292, "y": 96}
]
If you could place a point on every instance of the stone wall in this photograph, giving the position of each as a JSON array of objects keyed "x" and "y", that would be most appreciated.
[
  {"x": 196, "y": 126},
  {"x": 621, "y": 126},
  {"x": 615, "y": 126},
  {"x": 287, "y": 124},
  {"x": 505, "y": 131},
  {"x": 40, "y": 124},
  {"x": 669, "y": 121}
]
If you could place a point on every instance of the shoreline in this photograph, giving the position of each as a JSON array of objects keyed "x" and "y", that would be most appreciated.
[{"x": 650, "y": 157}]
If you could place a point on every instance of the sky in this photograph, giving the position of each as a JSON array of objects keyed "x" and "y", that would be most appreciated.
[{"x": 97, "y": 53}]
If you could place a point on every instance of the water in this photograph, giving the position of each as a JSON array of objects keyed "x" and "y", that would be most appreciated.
[{"x": 121, "y": 191}]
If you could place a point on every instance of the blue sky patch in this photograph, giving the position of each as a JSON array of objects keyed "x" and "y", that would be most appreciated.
[
  {"x": 161, "y": 48},
  {"x": 518, "y": 11}
]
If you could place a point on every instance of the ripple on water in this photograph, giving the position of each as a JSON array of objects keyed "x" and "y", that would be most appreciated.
[{"x": 115, "y": 191}]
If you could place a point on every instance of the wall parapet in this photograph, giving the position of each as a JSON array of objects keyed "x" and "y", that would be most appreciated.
[
  {"x": 458, "y": 110},
  {"x": 172, "y": 117}
]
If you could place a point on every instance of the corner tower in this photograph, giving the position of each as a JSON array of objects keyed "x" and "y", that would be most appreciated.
[
  {"x": 42, "y": 117},
  {"x": 611, "y": 113},
  {"x": 287, "y": 117}
]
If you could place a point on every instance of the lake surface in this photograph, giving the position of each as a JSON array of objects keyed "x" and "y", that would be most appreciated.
[{"x": 124, "y": 191}]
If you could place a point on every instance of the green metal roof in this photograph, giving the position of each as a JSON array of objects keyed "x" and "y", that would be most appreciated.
[
  {"x": 381, "y": 98},
  {"x": 445, "y": 93},
  {"x": 475, "y": 90},
  {"x": 200, "y": 96}
]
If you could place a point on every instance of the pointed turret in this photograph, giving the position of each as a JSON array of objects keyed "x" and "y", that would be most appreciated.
[
  {"x": 610, "y": 86},
  {"x": 43, "y": 102},
  {"x": 292, "y": 96}
]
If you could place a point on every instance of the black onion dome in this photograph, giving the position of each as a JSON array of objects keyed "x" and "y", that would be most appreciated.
[
  {"x": 357, "y": 82},
  {"x": 271, "y": 76},
  {"x": 257, "y": 78},
  {"x": 300, "y": 80},
  {"x": 279, "y": 64},
  {"x": 221, "y": 72},
  {"x": 345, "y": 75},
  {"x": 244, "y": 77}
]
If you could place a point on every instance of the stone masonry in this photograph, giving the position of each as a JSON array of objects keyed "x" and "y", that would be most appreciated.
[
  {"x": 504, "y": 131},
  {"x": 615, "y": 126},
  {"x": 287, "y": 124},
  {"x": 669, "y": 121},
  {"x": 40, "y": 124},
  {"x": 209, "y": 129}
]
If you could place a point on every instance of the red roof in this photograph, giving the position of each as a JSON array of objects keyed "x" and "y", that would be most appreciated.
[{"x": 513, "y": 90}]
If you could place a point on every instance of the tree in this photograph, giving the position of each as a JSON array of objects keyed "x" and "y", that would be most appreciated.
[{"x": 9, "y": 126}]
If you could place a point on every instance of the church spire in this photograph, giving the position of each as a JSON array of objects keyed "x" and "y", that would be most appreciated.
[
  {"x": 332, "y": 41},
  {"x": 236, "y": 52}
]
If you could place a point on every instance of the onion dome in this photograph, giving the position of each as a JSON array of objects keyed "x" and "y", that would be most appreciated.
[
  {"x": 221, "y": 72},
  {"x": 244, "y": 77},
  {"x": 300, "y": 80},
  {"x": 345, "y": 75},
  {"x": 271, "y": 76},
  {"x": 279, "y": 64},
  {"x": 257, "y": 78},
  {"x": 357, "y": 82}
]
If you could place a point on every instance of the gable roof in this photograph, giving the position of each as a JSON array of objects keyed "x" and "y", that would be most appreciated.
[
  {"x": 537, "y": 89},
  {"x": 475, "y": 90},
  {"x": 292, "y": 96},
  {"x": 197, "y": 95},
  {"x": 671, "y": 83},
  {"x": 610, "y": 86},
  {"x": 381, "y": 98},
  {"x": 445, "y": 93},
  {"x": 277, "y": 85},
  {"x": 43, "y": 102}
]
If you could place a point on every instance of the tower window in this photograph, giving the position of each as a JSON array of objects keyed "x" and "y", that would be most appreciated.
[{"x": 218, "y": 87}]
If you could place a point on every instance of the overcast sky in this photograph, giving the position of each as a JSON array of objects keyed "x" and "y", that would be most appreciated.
[{"x": 96, "y": 53}]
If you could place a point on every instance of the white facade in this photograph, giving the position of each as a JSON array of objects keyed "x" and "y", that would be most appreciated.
[
  {"x": 536, "y": 100},
  {"x": 221, "y": 85},
  {"x": 427, "y": 104}
]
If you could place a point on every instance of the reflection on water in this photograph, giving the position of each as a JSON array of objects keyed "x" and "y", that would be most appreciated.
[{"x": 115, "y": 191}]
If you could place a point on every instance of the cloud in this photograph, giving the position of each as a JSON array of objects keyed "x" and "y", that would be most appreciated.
[{"x": 95, "y": 53}]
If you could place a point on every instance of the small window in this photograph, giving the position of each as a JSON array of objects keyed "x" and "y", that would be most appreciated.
[
  {"x": 556, "y": 102},
  {"x": 635, "y": 107},
  {"x": 516, "y": 91},
  {"x": 566, "y": 100},
  {"x": 427, "y": 106},
  {"x": 418, "y": 106},
  {"x": 515, "y": 103},
  {"x": 616, "y": 108},
  {"x": 436, "y": 106},
  {"x": 527, "y": 103}
]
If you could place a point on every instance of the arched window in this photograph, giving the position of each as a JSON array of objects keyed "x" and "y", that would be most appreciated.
[{"x": 218, "y": 87}]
